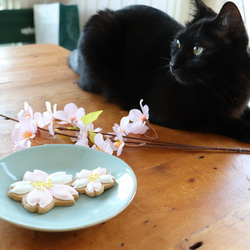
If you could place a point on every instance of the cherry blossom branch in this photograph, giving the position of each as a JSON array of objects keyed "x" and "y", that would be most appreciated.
[
  {"x": 82, "y": 125},
  {"x": 156, "y": 143},
  {"x": 58, "y": 133},
  {"x": 149, "y": 143},
  {"x": 8, "y": 118},
  {"x": 42, "y": 129}
]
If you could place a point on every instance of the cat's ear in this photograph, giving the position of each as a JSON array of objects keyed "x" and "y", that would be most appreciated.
[
  {"x": 230, "y": 21},
  {"x": 201, "y": 10}
]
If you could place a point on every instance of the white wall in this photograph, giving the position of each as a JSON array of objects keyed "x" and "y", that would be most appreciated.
[
  {"x": 179, "y": 9},
  {"x": 215, "y": 4}
]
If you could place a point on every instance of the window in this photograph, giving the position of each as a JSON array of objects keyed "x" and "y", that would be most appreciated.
[{"x": 244, "y": 7}]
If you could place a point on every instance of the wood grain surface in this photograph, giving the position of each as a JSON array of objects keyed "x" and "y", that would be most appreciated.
[{"x": 185, "y": 199}]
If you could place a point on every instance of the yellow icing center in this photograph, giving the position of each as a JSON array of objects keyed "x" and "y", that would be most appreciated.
[
  {"x": 93, "y": 177},
  {"x": 41, "y": 185}
]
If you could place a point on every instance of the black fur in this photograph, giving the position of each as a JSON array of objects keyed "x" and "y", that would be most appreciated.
[{"x": 142, "y": 53}]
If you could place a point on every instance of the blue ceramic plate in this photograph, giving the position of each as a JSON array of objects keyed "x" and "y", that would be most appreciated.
[{"x": 87, "y": 211}]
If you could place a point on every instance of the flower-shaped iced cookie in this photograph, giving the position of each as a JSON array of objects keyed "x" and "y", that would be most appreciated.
[
  {"x": 94, "y": 182},
  {"x": 41, "y": 192}
]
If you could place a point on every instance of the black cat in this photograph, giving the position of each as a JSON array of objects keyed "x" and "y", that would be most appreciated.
[{"x": 195, "y": 77}]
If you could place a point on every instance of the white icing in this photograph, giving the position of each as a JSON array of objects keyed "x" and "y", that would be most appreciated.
[
  {"x": 21, "y": 187},
  {"x": 41, "y": 187},
  {"x": 106, "y": 178},
  {"x": 60, "y": 178},
  {"x": 83, "y": 174},
  {"x": 93, "y": 180},
  {"x": 80, "y": 183}
]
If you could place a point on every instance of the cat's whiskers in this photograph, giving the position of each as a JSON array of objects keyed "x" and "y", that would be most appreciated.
[
  {"x": 165, "y": 66},
  {"x": 166, "y": 58}
]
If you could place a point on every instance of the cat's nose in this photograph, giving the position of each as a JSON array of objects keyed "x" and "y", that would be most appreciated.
[{"x": 172, "y": 64}]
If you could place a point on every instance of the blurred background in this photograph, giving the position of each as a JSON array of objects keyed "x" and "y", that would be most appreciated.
[{"x": 59, "y": 22}]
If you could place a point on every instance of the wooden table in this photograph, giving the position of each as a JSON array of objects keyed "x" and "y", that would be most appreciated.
[{"x": 184, "y": 199}]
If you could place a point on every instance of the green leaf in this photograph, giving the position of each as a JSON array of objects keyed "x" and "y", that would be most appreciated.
[
  {"x": 92, "y": 135},
  {"x": 91, "y": 117},
  {"x": 69, "y": 128}
]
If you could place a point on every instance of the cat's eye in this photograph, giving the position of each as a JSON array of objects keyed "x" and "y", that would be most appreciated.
[
  {"x": 197, "y": 50},
  {"x": 178, "y": 43}
]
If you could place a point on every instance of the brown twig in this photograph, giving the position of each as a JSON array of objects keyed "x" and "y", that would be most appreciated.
[
  {"x": 57, "y": 133},
  {"x": 155, "y": 142},
  {"x": 8, "y": 118}
]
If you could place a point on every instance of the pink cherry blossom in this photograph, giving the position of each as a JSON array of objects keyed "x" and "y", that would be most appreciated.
[
  {"x": 83, "y": 134},
  {"x": 71, "y": 113},
  {"x": 119, "y": 145},
  {"x": 82, "y": 139},
  {"x": 119, "y": 142},
  {"x": 123, "y": 128},
  {"x": 83, "y": 127},
  {"x": 38, "y": 118},
  {"x": 139, "y": 115},
  {"x": 138, "y": 127},
  {"x": 24, "y": 130},
  {"x": 135, "y": 123},
  {"x": 22, "y": 145},
  {"x": 49, "y": 117},
  {"x": 102, "y": 145},
  {"x": 26, "y": 112}
]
